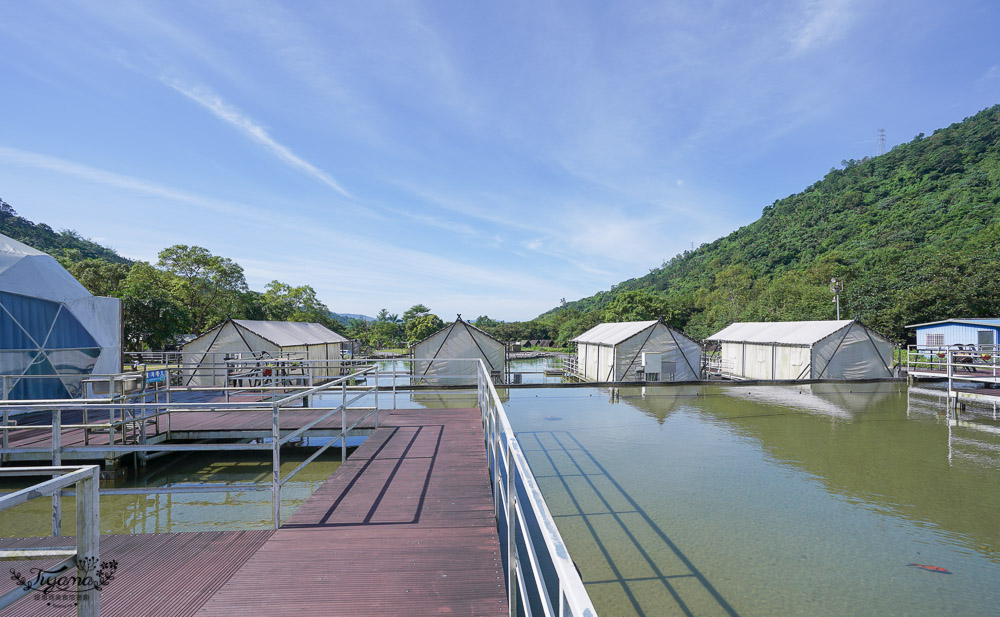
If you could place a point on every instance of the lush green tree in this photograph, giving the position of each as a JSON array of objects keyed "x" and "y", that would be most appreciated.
[
  {"x": 101, "y": 278},
  {"x": 386, "y": 331},
  {"x": 423, "y": 326},
  {"x": 417, "y": 310},
  {"x": 282, "y": 302},
  {"x": 485, "y": 324},
  {"x": 153, "y": 318},
  {"x": 208, "y": 286},
  {"x": 637, "y": 305}
]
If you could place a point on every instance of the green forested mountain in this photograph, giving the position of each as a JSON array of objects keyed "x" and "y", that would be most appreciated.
[
  {"x": 914, "y": 234},
  {"x": 64, "y": 245}
]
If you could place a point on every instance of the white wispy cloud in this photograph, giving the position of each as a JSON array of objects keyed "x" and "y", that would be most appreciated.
[
  {"x": 821, "y": 22},
  {"x": 213, "y": 103},
  {"x": 100, "y": 176}
]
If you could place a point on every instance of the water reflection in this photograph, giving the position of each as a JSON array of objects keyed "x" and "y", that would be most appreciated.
[
  {"x": 642, "y": 563},
  {"x": 783, "y": 499}
]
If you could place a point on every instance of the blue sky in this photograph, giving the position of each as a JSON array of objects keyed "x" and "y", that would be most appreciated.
[{"x": 480, "y": 158}]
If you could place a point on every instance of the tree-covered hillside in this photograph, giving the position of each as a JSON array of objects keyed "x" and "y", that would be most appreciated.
[
  {"x": 914, "y": 235},
  {"x": 63, "y": 245}
]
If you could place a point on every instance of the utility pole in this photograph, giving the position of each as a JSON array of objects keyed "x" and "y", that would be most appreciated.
[{"x": 836, "y": 286}]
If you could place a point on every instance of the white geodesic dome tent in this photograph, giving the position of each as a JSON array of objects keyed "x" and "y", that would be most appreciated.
[
  {"x": 448, "y": 357},
  {"x": 835, "y": 349},
  {"x": 53, "y": 332},
  {"x": 637, "y": 351}
]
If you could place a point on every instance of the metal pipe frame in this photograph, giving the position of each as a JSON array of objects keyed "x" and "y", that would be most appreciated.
[{"x": 86, "y": 555}]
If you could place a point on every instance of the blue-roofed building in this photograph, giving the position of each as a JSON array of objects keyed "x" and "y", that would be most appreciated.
[{"x": 983, "y": 332}]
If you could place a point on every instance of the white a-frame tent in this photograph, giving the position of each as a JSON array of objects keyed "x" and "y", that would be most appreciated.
[
  {"x": 637, "y": 351},
  {"x": 448, "y": 357},
  {"x": 248, "y": 339},
  {"x": 836, "y": 349}
]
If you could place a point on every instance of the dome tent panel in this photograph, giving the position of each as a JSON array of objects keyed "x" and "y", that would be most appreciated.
[{"x": 49, "y": 314}]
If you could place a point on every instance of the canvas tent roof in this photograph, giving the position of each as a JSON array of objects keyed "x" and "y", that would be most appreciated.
[
  {"x": 780, "y": 332},
  {"x": 613, "y": 333},
  {"x": 291, "y": 333},
  {"x": 991, "y": 321}
]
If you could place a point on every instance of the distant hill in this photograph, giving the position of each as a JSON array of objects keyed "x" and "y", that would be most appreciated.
[
  {"x": 345, "y": 318},
  {"x": 914, "y": 235},
  {"x": 66, "y": 245}
]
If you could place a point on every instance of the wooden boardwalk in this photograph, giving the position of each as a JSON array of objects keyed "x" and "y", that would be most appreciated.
[
  {"x": 404, "y": 527},
  {"x": 246, "y": 424}
]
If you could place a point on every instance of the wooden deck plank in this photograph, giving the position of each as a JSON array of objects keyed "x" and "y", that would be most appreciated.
[
  {"x": 158, "y": 575},
  {"x": 404, "y": 527}
]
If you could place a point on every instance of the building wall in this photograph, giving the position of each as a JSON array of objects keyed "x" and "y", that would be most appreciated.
[
  {"x": 732, "y": 357},
  {"x": 792, "y": 362},
  {"x": 953, "y": 334},
  {"x": 596, "y": 361}
]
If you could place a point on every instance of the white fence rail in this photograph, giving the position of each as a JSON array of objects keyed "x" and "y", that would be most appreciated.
[
  {"x": 541, "y": 577},
  {"x": 85, "y": 557}
]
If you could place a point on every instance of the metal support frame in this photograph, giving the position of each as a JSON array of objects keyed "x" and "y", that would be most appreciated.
[{"x": 85, "y": 557}]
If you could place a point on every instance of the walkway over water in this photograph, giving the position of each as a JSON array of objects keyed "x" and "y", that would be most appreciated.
[{"x": 406, "y": 526}]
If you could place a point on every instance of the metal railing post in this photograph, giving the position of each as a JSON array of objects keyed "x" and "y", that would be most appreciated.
[
  {"x": 4, "y": 440},
  {"x": 343, "y": 422},
  {"x": 88, "y": 553},
  {"x": 376, "y": 394},
  {"x": 275, "y": 467},
  {"x": 57, "y": 461},
  {"x": 511, "y": 530}
]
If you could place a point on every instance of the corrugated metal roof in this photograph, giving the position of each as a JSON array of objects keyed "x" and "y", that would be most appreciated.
[
  {"x": 987, "y": 321},
  {"x": 291, "y": 333},
  {"x": 613, "y": 333},
  {"x": 780, "y": 332}
]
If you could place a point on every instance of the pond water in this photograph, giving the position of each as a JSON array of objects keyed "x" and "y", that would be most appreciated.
[
  {"x": 770, "y": 500},
  {"x": 699, "y": 499},
  {"x": 172, "y": 512}
]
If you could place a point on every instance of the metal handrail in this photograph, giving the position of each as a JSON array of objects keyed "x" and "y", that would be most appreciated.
[
  {"x": 150, "y": 412},
  {"x": 524, "y": 520},
  {"x": 85, "y": 557}
]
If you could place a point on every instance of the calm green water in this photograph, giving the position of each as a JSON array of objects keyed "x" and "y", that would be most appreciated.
[
  {"x": 173, "y": 512},
  {"x": 700, "y": 500},
  {"x": 770, "y": 500}
]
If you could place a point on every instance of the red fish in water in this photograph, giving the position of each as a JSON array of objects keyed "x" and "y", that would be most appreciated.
[{"x": 929, "y": 568}]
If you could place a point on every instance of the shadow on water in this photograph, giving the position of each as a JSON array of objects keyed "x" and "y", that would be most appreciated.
[{"x": 646, "y": 541}]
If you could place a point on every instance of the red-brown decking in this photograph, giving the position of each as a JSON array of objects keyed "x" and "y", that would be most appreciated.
[
  {"x": 158, "y": 575},
  {"x": 404, "y": 527}
]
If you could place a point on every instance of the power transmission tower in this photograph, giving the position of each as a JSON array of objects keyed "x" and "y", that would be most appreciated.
[{"x": 881, "y": 142}]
